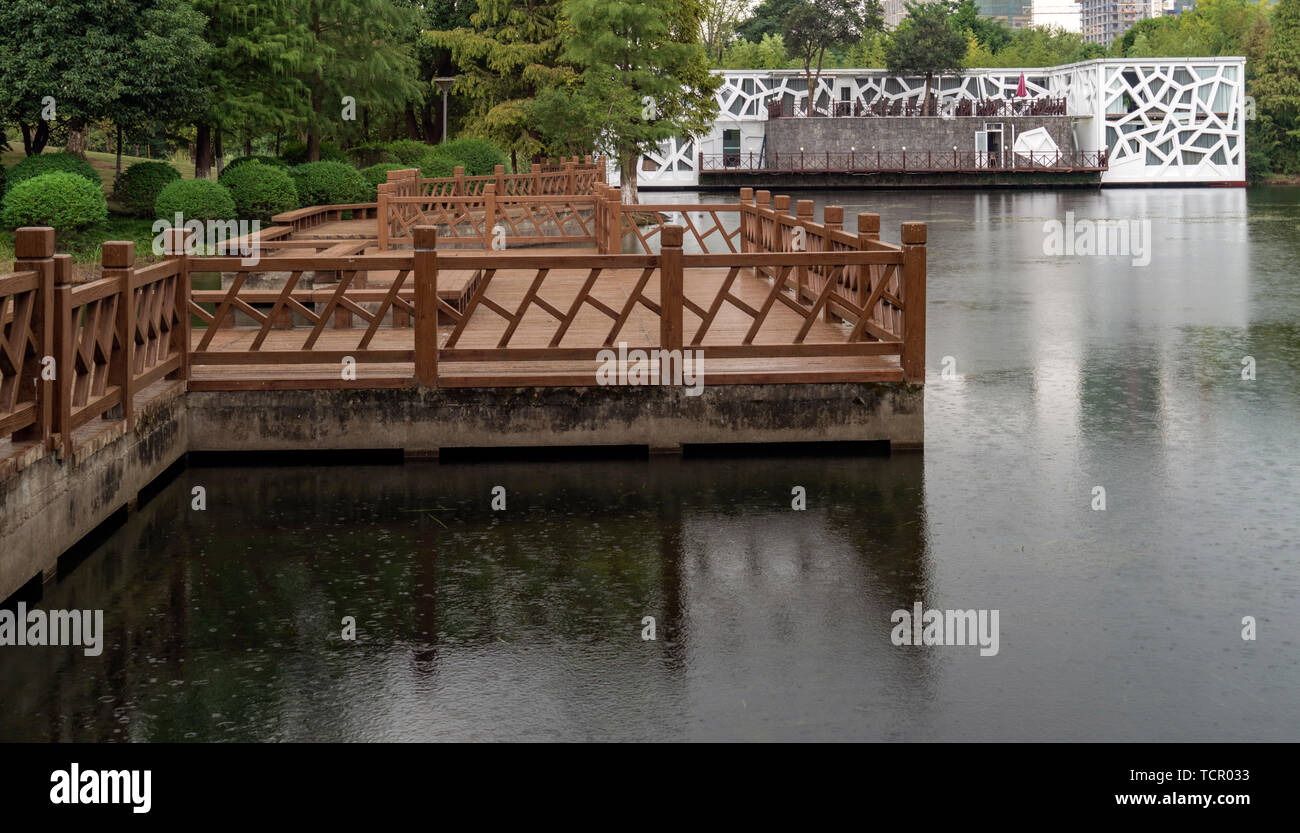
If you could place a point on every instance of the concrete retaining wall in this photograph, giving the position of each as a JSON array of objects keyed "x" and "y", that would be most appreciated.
[{"x": 869, "y": 134}]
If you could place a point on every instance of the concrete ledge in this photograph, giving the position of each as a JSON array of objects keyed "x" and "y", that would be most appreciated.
[
  {"x": 421, "y": 421},
  {"x": 51, "y": 504}
]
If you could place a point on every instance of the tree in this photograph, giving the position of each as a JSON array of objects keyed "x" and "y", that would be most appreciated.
[
  {"x": 811, "y": 27},
  {"x": 925, "y": 43},
  {"x": 85, "y": 60},
  {"x": 359, "y": 49},
  {"x": 258, "y": 50},
  {"x": 1276, "y": 86},
  {"x": 766, "y": 20},
  {"x": 718, "y": 25},
  {"x": 423, "y": 116},
  {"x": 509, "y": 53},
  {"x": 642, "y": 79}
]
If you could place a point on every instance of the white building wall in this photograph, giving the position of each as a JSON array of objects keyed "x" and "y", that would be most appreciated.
[{"x": 1164, "y": 121}]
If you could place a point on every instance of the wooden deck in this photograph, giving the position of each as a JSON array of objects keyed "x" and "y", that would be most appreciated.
[{"x": 590, "y": 328}]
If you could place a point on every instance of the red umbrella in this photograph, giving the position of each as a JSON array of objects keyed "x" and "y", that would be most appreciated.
[{"x": 1021, "y": 90}]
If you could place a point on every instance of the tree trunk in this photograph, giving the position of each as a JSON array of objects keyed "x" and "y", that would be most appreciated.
[
  {"x": 317, "y": 107},
  {"x": 412, "y": 126},
  {"x": 77, "y": 138},
  {"x": 34, "y": 142},
  {"x": 248, "y": 146},
  {"x": 925, "y": 102},
  {"x": 219, "y": 152},
  {"x": 627, "y": 179},
  {"x": 117, "y": 166},
  {"x": 203, "y": 151}
]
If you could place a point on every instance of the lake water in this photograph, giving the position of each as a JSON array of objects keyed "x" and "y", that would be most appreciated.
[{"x": 1065, "y": 374}]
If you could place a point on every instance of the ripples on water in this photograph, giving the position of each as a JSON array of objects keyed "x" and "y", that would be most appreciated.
[{"x": 526, "y": 624}]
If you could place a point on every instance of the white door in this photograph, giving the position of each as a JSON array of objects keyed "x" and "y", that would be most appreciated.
[{"x": 981, "y": 148}]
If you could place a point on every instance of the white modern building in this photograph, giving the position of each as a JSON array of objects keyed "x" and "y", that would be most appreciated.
[
  {"x": 1105, "y": 20},
  {"x": 1159, "y": 121}
]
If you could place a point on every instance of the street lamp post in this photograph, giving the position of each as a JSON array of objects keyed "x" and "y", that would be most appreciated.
[{"x": 444, "y": 84}]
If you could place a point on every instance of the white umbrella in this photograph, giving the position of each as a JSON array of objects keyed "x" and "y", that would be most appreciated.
[{"x": 1038, "y": 142}]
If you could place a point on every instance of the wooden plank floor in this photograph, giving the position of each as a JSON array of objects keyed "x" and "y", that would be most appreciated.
[{"x": 590, "y": 329}]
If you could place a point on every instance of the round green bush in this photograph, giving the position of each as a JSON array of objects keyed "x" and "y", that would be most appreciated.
[
  {"x": 439, "y": 162},
  {"x": 265, "y": 160},
  {"x": 48, "y": 163},
  {"x": 295, "y": 153},
  {"x": 195, "y": 199},
  {"x": 65, "y": 201},
  {"x": 408, "y": 151},
  {"x": 260, "y": 191},
  {"x": 375, "y": 176},
  {"x": 479, "y": 156},
  {"x": 328, "y": 183},
  {"x": 139, "y": 186}
]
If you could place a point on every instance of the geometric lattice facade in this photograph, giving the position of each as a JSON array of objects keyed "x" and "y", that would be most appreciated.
[{"x": 1163, "y": 120}]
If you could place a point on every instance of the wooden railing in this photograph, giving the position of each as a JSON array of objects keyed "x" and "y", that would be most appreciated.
[
  {"x": 761, "y": 282},
  {"x": 546, "y": 205}
]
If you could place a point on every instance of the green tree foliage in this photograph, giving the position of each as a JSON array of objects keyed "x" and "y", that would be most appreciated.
[
  {"x": 328, "y": 183},
  {"x": 49, "y": 163},
  {"x": 509, "y": 53},
  {"x": 769, "y": 53},
  {"x": 1276, "y": 89},
  {"x": 814, "y": 26},
  {"x": 925, "y": 43},
  {"x": 643, "y": 79},
  {"x": 766, "y": 20},
  {"x": 126, "y": 60}
]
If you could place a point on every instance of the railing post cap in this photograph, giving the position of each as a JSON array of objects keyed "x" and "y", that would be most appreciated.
[
  {"x": 671, "y": 235},
  {"x": 747, "y": 195},
  {"x": 764, "y": 198},
  {"x": 425, "y": 238},
  {"x": 833, "y": 214},
  {"x": 869, "y": 222},
  {"x": 62, "y": 269},
  {"x": 804, "y": 208},
  {"x": 498, "y": 169},
  {"x": 458, "y": 170},
  {"x": 781, "y": 201},
  {"x": 34, "y": 242},
  {"x": 117, "y": 254},
  {"x": 913, "y": 234}
]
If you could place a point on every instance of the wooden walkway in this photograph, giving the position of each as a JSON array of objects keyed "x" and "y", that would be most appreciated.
[{"x": 590, "y": 328}]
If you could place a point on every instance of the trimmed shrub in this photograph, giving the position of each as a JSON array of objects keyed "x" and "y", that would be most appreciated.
[
  {"x": 48, "y": 163},
  {"x": 265, "y": 160},
  {"x": 375, "y": 176},
  {"x": 195, "y": 199},
  {"x": 437, "y": 161},
  {"x": 328, "y": 183},
  {"x": 63, "y": 200},
  {"x": 295, "y": 153},
  {"x": 139, "y": 186},
  {"x": 364, "y": 156},
  {"x": 479, "y": 156},
  {"x": 260, "y": 191},
  {"x": 408, "y": 151}
]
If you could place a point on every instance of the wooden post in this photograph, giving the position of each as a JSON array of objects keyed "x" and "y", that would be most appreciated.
[
  {"x": 746, "y": 219},
  {"x": 868, "y": 232},
  {"x": 781, "y": 208},
  {"x": 381, "y": 213},
  {"x": 803, "y": 212},
  {"x": 458, "y": 185},
  {"x": 34, "y": 252},
  {"x": 833, "y": 220},
  {"x": 670, "y": 287},
  {"x": 913, "y": 238},
  {"x": 570, "y": 188},
  {"x": 118, "y": 260},
  {"x": 537, "y": 180},
  {"x": 174, "y": 247},
  {"x": 425, "y": 272},
  {"x": 762, "y": 214},
  {"x": 499, "y": 172},
  {"x": 489, "y": 213},
  {"x": 614, "y": 206}
]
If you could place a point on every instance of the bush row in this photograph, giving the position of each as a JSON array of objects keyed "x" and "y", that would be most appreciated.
[{"x": 47, "y": 189}]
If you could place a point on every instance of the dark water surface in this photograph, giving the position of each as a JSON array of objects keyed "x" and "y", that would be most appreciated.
[{"x": 1070, "y": 373}]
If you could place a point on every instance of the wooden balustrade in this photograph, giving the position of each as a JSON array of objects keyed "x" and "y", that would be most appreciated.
[{"x": 757, "y": 282}]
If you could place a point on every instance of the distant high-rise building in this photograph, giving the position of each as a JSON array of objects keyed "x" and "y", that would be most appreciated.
[
  {"x": 1104, "y": 20},
  {"x": 895, "y": 11},
  {"x": 1015, "y": 13},
  {"x": 1061, "y": 14}
]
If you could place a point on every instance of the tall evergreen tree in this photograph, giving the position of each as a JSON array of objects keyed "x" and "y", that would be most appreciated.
[
  {"x": 644, "y": 78},
  {"x": 509, "y": 53},
  {"x": 1276, "y": 86}
]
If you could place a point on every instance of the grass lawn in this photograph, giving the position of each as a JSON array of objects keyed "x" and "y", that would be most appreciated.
[{"x": 85, "y": 248}]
